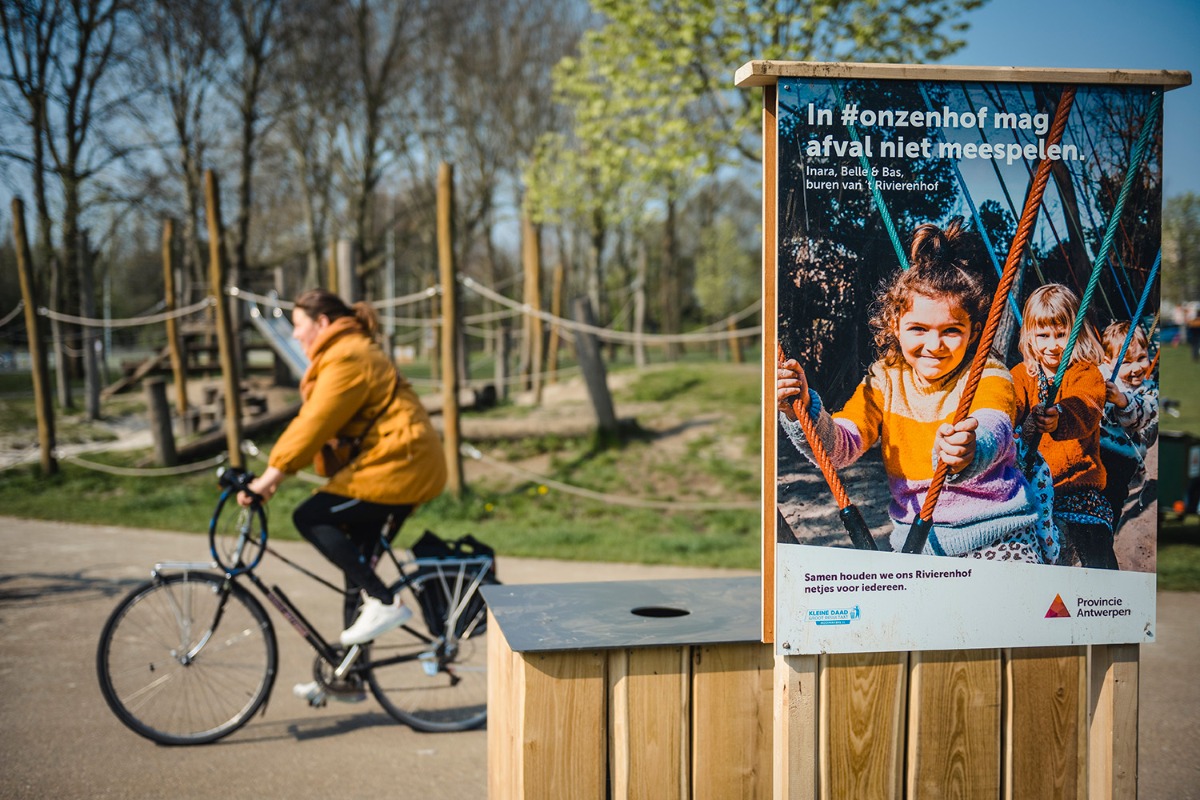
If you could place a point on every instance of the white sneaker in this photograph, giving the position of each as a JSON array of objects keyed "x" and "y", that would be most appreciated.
[
  {"x": 375, "y": 618},
  {"x": 316, "y": 695},
  {"x": 312, "y": 692}
]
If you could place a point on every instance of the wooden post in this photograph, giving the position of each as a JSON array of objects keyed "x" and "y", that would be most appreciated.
[
  {"x": 445, "y": 237},
  {"x": 87, "y": 309},
  {"x": 229, "y": 366},
  {"x": 177, "y": 366},
  {"x": 62, "y": 365},
  {"x": 532, "y": 259},
  {"x": 160, "y": 422},
  {"x": 639, "y": 308},
  {"x": 556, "y": 311},
  {"x": 347, "y": 271},
  {"x": 331, "y": 268},
  {"x": 735, "y": 344},
  {"x": 1112, "y": 721},
  {"x": 594, "y": 374},
  {"x": 34, "y": 331},
  {"x": 502, "y": 342}
]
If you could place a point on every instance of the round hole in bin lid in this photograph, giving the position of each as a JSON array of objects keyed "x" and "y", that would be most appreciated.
[{"x": 659, "y": 611}]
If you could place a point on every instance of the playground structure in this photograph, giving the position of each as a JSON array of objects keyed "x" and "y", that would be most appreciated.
[{"x": 221, "y": 335}]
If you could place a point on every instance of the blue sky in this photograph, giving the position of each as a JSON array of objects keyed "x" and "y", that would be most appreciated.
[{"x": 1105, "y": 34}]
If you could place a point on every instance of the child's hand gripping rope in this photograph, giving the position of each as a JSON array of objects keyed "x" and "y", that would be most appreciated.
[{"x": 791, "y": 396}]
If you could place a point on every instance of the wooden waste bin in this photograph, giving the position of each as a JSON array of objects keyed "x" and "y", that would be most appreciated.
[
  {"x": 602, "y": 690},
  {"x": 629, "y": 689}
]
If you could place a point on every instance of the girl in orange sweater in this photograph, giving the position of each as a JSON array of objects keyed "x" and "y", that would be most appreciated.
[{"x": 1068, "y": 430}]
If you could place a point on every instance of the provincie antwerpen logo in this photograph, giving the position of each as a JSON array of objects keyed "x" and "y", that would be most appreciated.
[
  {"x": 1110, "y": 607},
  {"x": 1058, "y": 609}
]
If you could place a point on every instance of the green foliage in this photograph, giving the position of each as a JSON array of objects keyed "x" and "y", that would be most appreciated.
[
  {"x": 727, "y": 275},
  {"x": 1179, "y": 559},
  {"x": 1181, "y": 249},
  {"x": 651, "y": 89}
]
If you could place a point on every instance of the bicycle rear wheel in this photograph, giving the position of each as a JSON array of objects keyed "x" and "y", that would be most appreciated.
[
  {"x": 186, "y": 658},
  {"x": 431, "y": 674}
]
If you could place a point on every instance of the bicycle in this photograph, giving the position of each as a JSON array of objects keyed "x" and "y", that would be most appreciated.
[{"x": 190, "y": 656}]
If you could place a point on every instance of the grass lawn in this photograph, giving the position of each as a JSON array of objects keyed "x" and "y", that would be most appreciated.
[{"x": 528, "y": 519}]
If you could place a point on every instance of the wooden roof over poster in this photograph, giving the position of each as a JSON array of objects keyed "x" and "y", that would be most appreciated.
[{"x": 960, "y": 272}]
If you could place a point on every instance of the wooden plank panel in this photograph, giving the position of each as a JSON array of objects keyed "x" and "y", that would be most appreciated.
[
  {"x": 863, "y": 698},
  {"x": 504, "y": 707},
  {"x": 954, "y": 724},
  {"x": 767, "y": 73},
  {"x": 1113, "y": 721},
  {"x": 770, "y": 275},
  {"x": 1044, "y": 713},
  {"x": 794, "y": 768},
  {"x": 649, "y": 699},
  {"x": 732, "y": 713},
  {"x": 562, "y": 737}
]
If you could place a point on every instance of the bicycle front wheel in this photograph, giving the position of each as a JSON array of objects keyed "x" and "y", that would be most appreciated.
[
  {"x": 186, "y": 658},
  {"x": 431, "y": 674}
]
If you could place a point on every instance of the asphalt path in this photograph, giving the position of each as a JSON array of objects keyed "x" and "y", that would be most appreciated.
[{"x": 59, "y": 582}]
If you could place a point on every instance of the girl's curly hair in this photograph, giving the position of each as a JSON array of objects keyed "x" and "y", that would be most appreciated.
[{"x": 937, "y": 270}]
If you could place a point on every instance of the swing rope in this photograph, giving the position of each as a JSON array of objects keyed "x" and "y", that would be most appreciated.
[
  {"x": 1135, "y": 320},
  {"x": 1114, "y": 221},
  {"x": 851, "y": 517},
  {"x": 918, "y": 534},
  {"x": 987, "y": 240},
  {"x": 875, "y": 193}
]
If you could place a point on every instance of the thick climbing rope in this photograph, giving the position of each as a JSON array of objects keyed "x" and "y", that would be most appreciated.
[
  {"x": 851, "y": 517},
  {"x": 919, "y": 532},
  {"x": 1114, "y": 220}
]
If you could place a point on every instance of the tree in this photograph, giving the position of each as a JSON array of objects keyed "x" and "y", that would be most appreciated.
[
  {"x": 652, "y": 98},
  {"x": 382, "y": 37},
  {"x": 30, "y": 39},
  {"x": 181, "y": 53},
  {"x": 311, "y": 103},
  {"x": 1181, "y": 249}
]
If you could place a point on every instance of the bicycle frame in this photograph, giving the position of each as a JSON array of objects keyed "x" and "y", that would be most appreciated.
[{"x": 451, "y": 579}]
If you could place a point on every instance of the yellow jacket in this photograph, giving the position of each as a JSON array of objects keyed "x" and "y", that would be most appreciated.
[{"x": 349, "y": 381}]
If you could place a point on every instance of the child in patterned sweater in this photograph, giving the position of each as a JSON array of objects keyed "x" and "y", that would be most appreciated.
[
  {"x": 1068, "y": 431},
  {"x": 1130, "y": 415},
  {"x": 927, "y": 325}
]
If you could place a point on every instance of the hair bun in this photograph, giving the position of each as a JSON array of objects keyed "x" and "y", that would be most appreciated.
[{"x": 932, "y": 246}]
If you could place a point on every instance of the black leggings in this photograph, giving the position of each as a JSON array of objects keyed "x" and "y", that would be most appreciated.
[{"x": 346, "y": 532}]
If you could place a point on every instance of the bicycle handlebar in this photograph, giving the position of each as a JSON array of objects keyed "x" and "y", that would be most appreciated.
[
  {"x": 232, "y": 481},
  {"x": 238, "y": 480}
]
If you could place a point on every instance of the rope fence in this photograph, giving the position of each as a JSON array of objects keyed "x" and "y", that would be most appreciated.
[
  {"x": 10, "y": 316},
  {"x": 131, "y": 322},
  {"x": 629, "y": 502},
  {"x": 145, "y": 472}
]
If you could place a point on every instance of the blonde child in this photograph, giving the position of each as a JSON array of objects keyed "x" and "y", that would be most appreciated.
[
  {"x": 1130, "y": 415},
  {"x": 1069, "y": 429},
  {"x": 927, "y": 324}
]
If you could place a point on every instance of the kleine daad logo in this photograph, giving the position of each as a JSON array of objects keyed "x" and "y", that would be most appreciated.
[{"x": 1058, "y": 609}]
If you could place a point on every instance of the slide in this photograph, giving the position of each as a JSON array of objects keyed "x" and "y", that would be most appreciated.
[{"x": 276, "y": 328}]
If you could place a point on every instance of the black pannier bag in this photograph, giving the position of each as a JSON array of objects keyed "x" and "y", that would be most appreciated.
[{"x": 433, "y": 593}]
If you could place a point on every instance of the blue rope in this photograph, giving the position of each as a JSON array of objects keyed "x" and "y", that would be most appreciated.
[
  {"x": 1135, "y": 321},
  {"x": 879, "y": 203},
  {"x": 1135, "y": 163},
  {"x": 987, "y": 242}
]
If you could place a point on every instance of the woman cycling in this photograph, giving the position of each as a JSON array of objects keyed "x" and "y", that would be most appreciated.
[{"x": 353, "y": 392}]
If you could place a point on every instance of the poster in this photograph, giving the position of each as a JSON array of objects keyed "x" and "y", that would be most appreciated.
[{"x": 898, "y": 292}]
